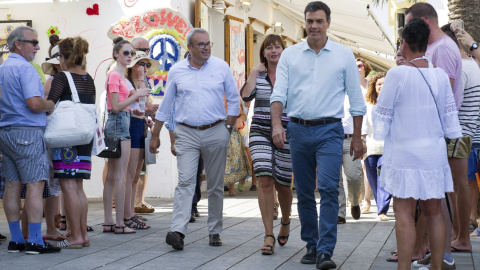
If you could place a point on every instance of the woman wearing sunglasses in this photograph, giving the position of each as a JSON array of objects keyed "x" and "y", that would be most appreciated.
[
  {"x": 118, "y": 123},
  {"x": 139, "y": 68}
]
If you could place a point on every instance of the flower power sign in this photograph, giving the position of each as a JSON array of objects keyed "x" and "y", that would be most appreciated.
[{"x": 166, "y": 31}]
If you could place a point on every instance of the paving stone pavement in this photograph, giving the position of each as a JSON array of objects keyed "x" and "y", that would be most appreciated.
[{"x": 362, "y": 244}]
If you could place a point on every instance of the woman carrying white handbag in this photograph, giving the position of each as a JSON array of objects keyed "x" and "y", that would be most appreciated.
[{"x": 73, "y": 164}]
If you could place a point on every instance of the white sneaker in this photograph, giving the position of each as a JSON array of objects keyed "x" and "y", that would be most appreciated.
[{"x": 423, "y": 262}]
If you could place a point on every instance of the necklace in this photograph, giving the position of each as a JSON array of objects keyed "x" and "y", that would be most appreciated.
[{"x": 420, "y": 58}]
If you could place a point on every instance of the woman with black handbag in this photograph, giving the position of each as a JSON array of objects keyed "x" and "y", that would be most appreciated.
[
  {"x": 117, "y": 128},
  {"x": 139, "y": 68},
  {"x": 73, "y": 164}
]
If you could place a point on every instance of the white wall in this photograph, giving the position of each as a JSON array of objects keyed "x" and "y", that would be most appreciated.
[{"x": 72, "y": 20}]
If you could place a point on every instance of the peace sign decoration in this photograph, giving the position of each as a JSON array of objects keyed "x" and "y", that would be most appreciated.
[{"x": 166, "y": 30}]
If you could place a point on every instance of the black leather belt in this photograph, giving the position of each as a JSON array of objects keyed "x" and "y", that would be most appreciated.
[
  {"x": 205, "y": 126},
  {"x": 314, "y": 122}
]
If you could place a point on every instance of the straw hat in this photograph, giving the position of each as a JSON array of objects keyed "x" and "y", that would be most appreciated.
[
  {"x": 141, "y": 55},
  {"x": 47, "y": 66}
]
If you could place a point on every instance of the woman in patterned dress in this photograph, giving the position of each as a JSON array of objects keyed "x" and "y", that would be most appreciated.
[{"x": 272, "y": 166}]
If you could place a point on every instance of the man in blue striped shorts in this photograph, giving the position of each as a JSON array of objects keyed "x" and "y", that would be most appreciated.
[{"x": 23, "y": 116}]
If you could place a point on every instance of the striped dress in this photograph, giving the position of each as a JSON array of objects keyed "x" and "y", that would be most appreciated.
[{"x": 267, "y": 159}]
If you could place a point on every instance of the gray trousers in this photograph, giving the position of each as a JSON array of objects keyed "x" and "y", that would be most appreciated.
[
  {"x": 354, "y": 173},
  {"x": 212, "y": 145}
]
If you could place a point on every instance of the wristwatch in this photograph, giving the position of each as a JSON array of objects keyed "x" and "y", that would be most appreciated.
[
  {"x": 229, "y": 127},
  {"x": 363, "y": 140},
  {"x": 474, "y": 46}
]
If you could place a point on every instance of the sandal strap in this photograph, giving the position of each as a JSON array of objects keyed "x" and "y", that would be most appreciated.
[
  {"x": 285, "y": 224},
  {"x": 269, "y": 235}
]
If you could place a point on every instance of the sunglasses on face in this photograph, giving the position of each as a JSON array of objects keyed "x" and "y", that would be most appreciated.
[
  {"x": 33, "y": 42},
  {"x": 145, "y": 50},
  {"x": 126, "y": 53},
  {"x": 143, "y": 64},
  {"x": 360, "y": 65}
]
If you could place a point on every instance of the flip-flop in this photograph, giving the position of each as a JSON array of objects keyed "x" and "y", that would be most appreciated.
[
  {"x": 454, "y": 249},
  {"x": 393, "y": 258},
  {"x": 66, "y": 245},
  {"x": 86, "y": 244},
  {"x": 394, "y": 251}
]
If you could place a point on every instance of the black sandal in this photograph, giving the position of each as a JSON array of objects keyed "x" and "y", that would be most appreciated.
[
  {"x": 272, "y": 248},
  {"x": 111, "y": 228},
  {"x": 132, "y": 224},
  {"x": 283, "y": 237},
  {"x": 123, "y": 230},
  {"x": 63, "y": 220}
]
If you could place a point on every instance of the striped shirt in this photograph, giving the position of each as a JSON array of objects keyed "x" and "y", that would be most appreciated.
[{"x": 469, "y": 111}]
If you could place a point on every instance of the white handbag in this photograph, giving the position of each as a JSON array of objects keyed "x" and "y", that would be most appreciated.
[
  {"x": 72, "y": 122},
  {"x": 150, "y": 158}
]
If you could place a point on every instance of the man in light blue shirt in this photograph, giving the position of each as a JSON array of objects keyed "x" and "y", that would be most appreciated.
[
  {"x": 312, "y": 78},
  {"x": 23, "y": 112},
  {"x": 196, "y": 87}
]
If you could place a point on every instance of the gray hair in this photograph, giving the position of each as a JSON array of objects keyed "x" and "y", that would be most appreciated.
[
  {"x": 17, "y": 34},
  {"x": 193, "y": 32}
]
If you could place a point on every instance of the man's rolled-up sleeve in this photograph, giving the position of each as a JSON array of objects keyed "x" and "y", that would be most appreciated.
[
  {"x": 165, "y": 109},
  {"x": 232, "y": 94},
  {"x": 280, "y": 89},
  {"x": 352, "y": 86}
]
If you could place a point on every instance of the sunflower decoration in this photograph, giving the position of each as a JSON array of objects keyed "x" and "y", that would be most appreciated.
[{"x": 53, "y": 30}]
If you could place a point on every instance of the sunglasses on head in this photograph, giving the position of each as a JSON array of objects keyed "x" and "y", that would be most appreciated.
[
  {"x": 360, "y": 65},
  {"x": 33, "y": 42},
  {"x": 126, "y": 53},
  {"x": 145, "y": 50},
  {"x": 143, "y": 64}
]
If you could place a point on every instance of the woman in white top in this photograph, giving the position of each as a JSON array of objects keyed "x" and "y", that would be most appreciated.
[
  {"x": 414, "y": 113},
  {"x": 373, "y": 158}
]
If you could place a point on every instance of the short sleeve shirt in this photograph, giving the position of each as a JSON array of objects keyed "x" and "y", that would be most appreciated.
[
  {"x": 19, "y": 81},
  {"x": 444, "y": 54},
  {"x": 116, "y": 84}
]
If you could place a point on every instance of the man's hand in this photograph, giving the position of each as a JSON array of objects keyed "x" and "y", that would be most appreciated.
[
  {"x": 152, "y": 108},
  {"x": 357, "y": 148},
  {"x": 154, "y": 144},
  {"x": 279, "y": 136},
  {"x": 172, "y": 149},
  {"x": 464, "y": 39}
]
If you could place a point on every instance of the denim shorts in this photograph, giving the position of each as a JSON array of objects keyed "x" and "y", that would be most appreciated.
[
  {"x": 122, "y": 125},
  {"x": 137, "y": 132},
  {"x": 24, "y": 154},
  {"x": 472, "y": 164}
]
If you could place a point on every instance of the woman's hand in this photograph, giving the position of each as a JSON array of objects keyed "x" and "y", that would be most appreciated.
[
  {"x": 260, "y": 69},
  {"x": 149, "y": 122},
  {"x": 142, "y": 92},
  {"x": 464, "y": 39}
]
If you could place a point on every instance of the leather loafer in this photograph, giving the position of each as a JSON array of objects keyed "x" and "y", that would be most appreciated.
[
  {"x": 310, "y": 257},
  {"x": 341, "y": 220},
  {"x": 175, "y": 239},
  {"x": 192, "y": 218},
  {"x": 355, "y": 210},
  {"x": 324, "y": 261},
  {"x": 214, "y": 240}
]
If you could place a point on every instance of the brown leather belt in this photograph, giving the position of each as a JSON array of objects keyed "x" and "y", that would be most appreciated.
[
  {"x": 203, "y": 127},
  {"x": 348, "y": 136}
]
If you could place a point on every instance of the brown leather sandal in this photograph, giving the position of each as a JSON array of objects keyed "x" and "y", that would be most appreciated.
[{"x": 272, "y": 247}]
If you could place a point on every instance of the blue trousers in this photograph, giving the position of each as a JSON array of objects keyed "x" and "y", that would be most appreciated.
[
  {"x": 319, "y": 147},
  {"x": 382, "y": 197}
]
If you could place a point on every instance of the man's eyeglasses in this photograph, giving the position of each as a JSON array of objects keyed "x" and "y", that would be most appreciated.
[
  {"x": 145, "y": 50},
  {"x": 33, "y": 42},
  {"x": 202, "y": 45},
  {"x": 143, "y": 64},
  {"x": 360, "y": 65},
  {"x": 126, "y": 53}
]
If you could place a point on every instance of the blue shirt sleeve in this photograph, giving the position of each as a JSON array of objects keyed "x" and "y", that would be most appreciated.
[
  {"x": 171, "y": 124},
  {"x": 31, "y": 87}
]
